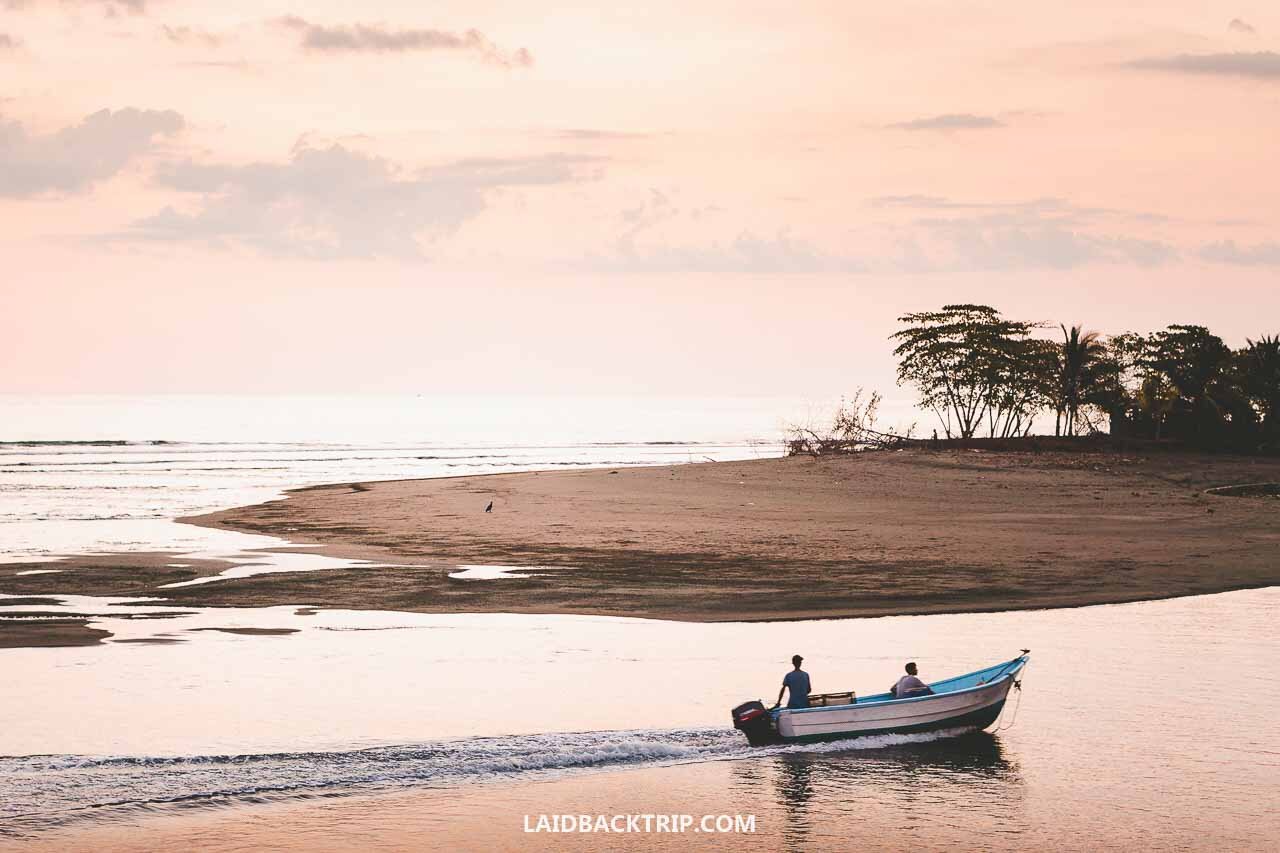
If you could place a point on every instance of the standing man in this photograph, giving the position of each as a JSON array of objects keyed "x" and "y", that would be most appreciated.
[{"x": 797, "y": 681}]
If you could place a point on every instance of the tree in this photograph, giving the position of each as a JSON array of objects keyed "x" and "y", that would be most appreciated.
[
  {"x": 1078, "y": 362},
  {"x": 963, "y": 359},
  {"x": 1258, "y": 368},
  {"x": 1135, "y": 396},
  {"x": 1195, "y": 362},
  {"x": 978, "y": 370},
  {"x": 1023, "y": 385}
]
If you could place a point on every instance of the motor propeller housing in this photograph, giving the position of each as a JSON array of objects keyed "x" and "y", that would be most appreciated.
[{"x": 754, "y": 720}]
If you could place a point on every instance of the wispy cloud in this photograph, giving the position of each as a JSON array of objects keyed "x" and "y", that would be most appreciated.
[
  {"x": 1237, "y": 25},
  {"x": 1229, "y": 252},
  {"x": 75, "y": 158},
  {"x": 950, "y": 121},
  {"x": 746, "y": 253},
  {"x": 590, "y": 135},
  {"x": 228, "y": 64},
  {"x": 1060, "y": 209},
  {"x": 929, "y": 234},
  {"x": 1043, "y": 233},
  {"x": 995, "y": 243},
  {"x": 191, "y": 36},
  {"x": 379, "y": 38},
  {"x": 108, "y": 7},
  {"x": 1259, "y": 65},
  {"x": 336, "y": 202}
]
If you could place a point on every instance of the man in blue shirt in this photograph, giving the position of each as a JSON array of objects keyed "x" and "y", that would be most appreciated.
[{"x": 797, "y": 681}]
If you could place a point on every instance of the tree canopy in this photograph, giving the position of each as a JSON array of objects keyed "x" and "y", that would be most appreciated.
[
  {"x": 974, "y": 369},
  {"x": 982, "y": 373}
]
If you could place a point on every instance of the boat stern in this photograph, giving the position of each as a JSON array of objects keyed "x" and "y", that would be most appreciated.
[{"x": 754, "y": 720}]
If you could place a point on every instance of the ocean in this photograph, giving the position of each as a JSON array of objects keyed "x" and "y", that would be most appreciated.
[
  {"x": 1148, "y": 724},
  {"x": 110, "y": 473}
]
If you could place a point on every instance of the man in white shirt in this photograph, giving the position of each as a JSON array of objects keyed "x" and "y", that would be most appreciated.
[{"x": 909, "y": 685}]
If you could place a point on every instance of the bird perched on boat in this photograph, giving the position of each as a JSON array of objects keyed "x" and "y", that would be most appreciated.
[{"x": 489, "y": 508}]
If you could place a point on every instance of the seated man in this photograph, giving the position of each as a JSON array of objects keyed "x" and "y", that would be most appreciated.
[
  {"x": 797, "y": 681},
  {"x": 909, "y": 685}
]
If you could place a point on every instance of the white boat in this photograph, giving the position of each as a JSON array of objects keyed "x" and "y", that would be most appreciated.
[{"x": 965, "y": 703}]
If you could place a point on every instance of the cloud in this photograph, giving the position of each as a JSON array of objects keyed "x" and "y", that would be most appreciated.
[
  {"x": 75, "y": 158},
  {"x": 927, "y": 234},
  {"x": 335, "y": 202},
  {"x": 232, "y": 65},
  {"x": 951, "y": 246},
  {"x": 745, "y": 253},
  {"x": 1260, "y": 65},
  {"x": 189, "y": 36},
  {"x": 933, "y": 202},
  {"x": 589, "y": 135},
  {"x": 1236, "y": 25},
  {"x": 378, "y": 38},
  {"x": 1228, "y": 252},
  {"x": 109, "y": 7},
  {"x": 950, "y": 121},
  {"x": 8, "y": 42},
  {"x": 1043, "y": 233},
  {"x": 1060, "y": 210},
  {"x": 650, "y": 213},
  {"x": 984, "y": 246},
  {"x": 653, "y": 239}
]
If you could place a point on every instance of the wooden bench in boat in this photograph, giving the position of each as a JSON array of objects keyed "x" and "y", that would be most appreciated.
[{"x": 830, "y": 700}]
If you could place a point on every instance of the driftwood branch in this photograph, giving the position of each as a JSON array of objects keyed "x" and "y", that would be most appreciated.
[{"x": 852, "y": 430}]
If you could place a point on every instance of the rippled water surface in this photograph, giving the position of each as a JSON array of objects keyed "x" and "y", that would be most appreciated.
[
  {"x": 1140, "y": 726},
  {"x": 109, "y": 474},
  {"x": 1131, "y": 725}
]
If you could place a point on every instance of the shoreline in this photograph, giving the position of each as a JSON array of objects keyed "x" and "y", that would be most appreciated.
[{"x": 912, "y": 532}]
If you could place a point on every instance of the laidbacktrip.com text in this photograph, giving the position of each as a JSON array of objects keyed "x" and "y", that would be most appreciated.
[{"x": 640, "y": 823}]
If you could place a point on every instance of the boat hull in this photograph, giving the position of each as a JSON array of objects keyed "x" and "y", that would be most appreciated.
[
  {"x": 971, "y": 721},
  {"x": 964, "y": 703}
]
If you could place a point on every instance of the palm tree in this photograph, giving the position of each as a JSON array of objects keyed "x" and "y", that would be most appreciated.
[
  {"x": 1260, "y": 378},
  {"x": 1079, "y": 352}
]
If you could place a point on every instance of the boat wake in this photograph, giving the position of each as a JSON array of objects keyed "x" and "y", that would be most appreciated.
[{"x": 43, "y": 792}]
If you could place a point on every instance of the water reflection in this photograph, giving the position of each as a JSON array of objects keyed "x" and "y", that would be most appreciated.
[
  {"x": 818, "y": 790},
  {"x": 794, "y": 783}
]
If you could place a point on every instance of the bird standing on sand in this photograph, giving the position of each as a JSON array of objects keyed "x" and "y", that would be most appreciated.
[{"x": 489, "y": 508}]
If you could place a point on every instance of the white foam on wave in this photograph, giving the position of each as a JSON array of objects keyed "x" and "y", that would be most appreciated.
[
  {"x": 874, "y": 741},
  {"x": 41, "y": 792}
]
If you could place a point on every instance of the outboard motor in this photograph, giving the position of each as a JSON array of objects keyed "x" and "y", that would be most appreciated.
[{"x": 755, "y": 721}]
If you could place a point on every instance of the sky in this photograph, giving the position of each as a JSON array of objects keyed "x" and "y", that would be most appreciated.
[{"x": 663, "y": 198}]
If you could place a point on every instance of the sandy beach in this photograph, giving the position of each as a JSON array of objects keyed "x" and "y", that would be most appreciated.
[{"x": 909, "y": 532}]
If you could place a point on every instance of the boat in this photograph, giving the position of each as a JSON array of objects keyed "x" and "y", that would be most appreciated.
[{"x": 964, "y": 703}]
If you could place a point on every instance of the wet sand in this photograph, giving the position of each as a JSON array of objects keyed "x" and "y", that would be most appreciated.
[
  {"x": 47, "y": 633},
  {"x": 908, "y": 532}
]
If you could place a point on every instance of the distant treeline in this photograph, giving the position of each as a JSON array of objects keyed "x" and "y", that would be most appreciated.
[{"x": 985, "y": 375}]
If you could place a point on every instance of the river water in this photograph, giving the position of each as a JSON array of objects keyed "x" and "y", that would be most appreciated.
[{"x": 1147, "y": 725}]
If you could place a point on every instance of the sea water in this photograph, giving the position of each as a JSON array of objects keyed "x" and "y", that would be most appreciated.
[
  {"x": 1148, "y": 724},
  {"x": 108, "y": 474}
]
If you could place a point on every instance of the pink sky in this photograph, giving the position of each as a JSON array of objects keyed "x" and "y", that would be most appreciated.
[{"x": 736, "y": 199}]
